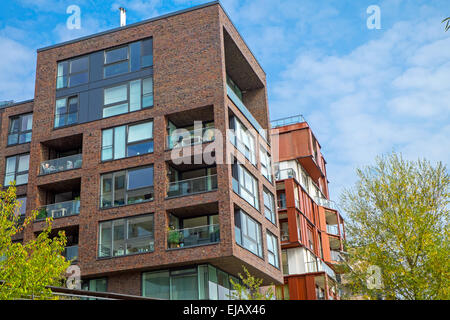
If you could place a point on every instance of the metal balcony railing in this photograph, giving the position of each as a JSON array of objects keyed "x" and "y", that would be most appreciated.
[
  {"x": 61, "y": 164},
  {"x": 287, "y": 121},
  {"x": 191, "y": 237},
  {"x": 184, "y": 138},
  {"x": 59, "y": 210},
  {"x": 192, "y": 186}
]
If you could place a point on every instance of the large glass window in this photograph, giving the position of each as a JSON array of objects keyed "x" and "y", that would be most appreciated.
[
  {"x": 272, "y": 249},
  {"x": 248, "y": 232},
  {"x": 127, "y": 141},
  {"x": 66, "y": 111},
  {"x": 72, "y": 72},
  {"x": 242, "y": 139},
  {"x": 266, "y": 166},
  {"x": 147, "y": 53},
  {"x": 97, "y": 285},
  {"x": 132, "y": 96},
  {"x": 126, "y": 236},
  {"x": 245, "y": 184},
  {"x": 20, "y": 129},
  {"x": 201, "y": 282},
  {"x": 116, "y": 62},
  {"x": 269, "y": 206},
  {"x": 17, "y": 169},
  {"x": 126, "y": 187}
]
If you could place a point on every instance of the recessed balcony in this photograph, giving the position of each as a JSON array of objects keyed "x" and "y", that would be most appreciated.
[
  {"x": 189, "y": 182},
  {"x": 61, "y": 155}
]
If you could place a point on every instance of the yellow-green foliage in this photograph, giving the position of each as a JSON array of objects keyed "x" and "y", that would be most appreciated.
[
  {"x": 26, "y": 269},
  {"x": 399, "y": 221},
  {"x": 249, "y": 289}
]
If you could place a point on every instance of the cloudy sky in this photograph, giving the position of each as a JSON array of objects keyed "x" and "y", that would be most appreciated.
[{"x": 364, "y": 91}]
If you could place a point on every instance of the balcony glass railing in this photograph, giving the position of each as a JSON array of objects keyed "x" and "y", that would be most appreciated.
[
  {"x": 185, "y": 138},
  {"x": 71, "y": 253},
  {"x": 311, "y": 266},
  {"x": 61, "y": 164},
  {"x": 191, "y": 237},
  {"x": 287, "y": 121},
  {"x": 192, "y": 186},
  {"x": 333, "y": 229},
  {"x": 59, "y": 210},
  {"x": 336, "y": 256},
  {"x": 281, "y": 204},
  {"x": 285, "y": 174},
  {"x": 325, "y": 203}
]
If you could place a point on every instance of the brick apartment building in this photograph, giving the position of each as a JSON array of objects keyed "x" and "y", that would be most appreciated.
[
  {"x": 95, "y": 150},
  {"x": 312, "y": 230}
]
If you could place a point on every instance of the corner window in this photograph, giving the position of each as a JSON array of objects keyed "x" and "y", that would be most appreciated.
[
  {"x": 133, "y": 96},
  {"x": 126, "y": 187},
  {"x": 20, "y": 129},
  {"x": 269, "y": 206},
  {"x": 248, "y": 232},
  {"x": 17, "y": 169},
  {"x": 126, "y": 236},
  {"x": 272, "y": 249},
  {"x": 127, "y": 141},
  {"x": 66, "y": 111},
  {"x": 72, "y": 73}
]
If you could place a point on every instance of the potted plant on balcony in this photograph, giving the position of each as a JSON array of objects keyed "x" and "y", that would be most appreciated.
[{"x": 174, "y": 237}]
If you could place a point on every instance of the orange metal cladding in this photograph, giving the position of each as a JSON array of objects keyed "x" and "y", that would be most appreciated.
[{"x": 297, "y": 142}]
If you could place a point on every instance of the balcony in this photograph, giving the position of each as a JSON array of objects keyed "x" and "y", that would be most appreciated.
[
  {"x": 326, "y": 203},
  {"x": 311, "y": 266},
  {"x": 59, "y": 210},
  {"x": 71, "y": 253},
  {"x": 192, "y": 186},
  {"x": 285, "y": 174},
  {"x": 287, "y": 121},
  {"x": 333, "y": 229},
  {"x": 336, "y": 256},
  {"x": 61, "y": 164},
  {"x": 281, "y": 203},
  {"x": 184, "y": 138},
  {"x": 192, "y": 237}
]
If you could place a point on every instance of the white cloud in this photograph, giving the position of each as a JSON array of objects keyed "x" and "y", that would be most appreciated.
[
  {"x": 16, "y": 70},
  {"x": 389, "y": 93}
]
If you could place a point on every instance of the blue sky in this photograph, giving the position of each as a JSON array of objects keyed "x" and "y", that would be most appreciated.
[{"x": 364, "y": 92}]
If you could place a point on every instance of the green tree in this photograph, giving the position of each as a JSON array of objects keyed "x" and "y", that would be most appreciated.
[
  {"x": 27, "y": 269},
  {"x": 447, "y": 21},
  {"x": 398, "y": 223},
  {"x": 249, "y": 289}
]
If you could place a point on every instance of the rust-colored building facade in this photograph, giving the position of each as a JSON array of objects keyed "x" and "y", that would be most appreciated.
[
  {"x": 312, "y": 230},
  {"x": 98, "y": 149}
]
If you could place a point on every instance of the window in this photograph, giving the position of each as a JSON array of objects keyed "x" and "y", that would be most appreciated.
[
  {"x": 126, "y": 187},
  {"x": 245, "y": 184},
  {"x": 127, "y": 141},
  {"x": 66, "y": 111},
  {"x": 269, "y": 206},
  {"x": 310, "y": 239},
  {"x": 248, "y": 232},
  {"x": 266, "y": 166},
  {"x": 72, "y": 73},
  {"x": 133, "y": 96},
  {"x": 146, "y": 53},
  {"x": 126, "y": 236},
  {"x": 23, "y": 206},
  {"x": 17, "y": 169},
  {"x": 285, "y": 262},
  {"x": 272, "y": 249},
  {"x": 20, "y": 129},
  {"x": 97, "y": 285},
  {"x": 242, "y": 139},
  {"x": 116, "y": 62}
]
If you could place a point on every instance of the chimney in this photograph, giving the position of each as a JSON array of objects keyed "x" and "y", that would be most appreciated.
[{"x": 123, "y": 17}]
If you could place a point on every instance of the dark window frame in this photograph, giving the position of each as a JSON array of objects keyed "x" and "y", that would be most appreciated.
[
  {"x": 70, "y": 74},
  {"x": 67, "y": 113},
  {"x": 17, "y": 173},
  {"x": 19, "y": 132}
]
